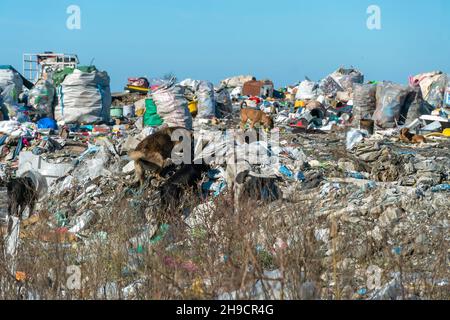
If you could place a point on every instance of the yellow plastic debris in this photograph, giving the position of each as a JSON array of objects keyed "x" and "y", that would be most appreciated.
[
  {"x": 193, "y": 106},
  {"x": 446, "y": 132},
  {"x": 197, "y": 288},
  {"x": 140, "y": 112},
  {"x": 299, "y": 104}
]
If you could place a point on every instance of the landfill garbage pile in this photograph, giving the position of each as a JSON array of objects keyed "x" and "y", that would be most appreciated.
[{"x": 331, "y": 204}]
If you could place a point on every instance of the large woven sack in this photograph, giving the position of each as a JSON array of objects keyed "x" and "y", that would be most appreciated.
[
  {"x": 172, "y": 106},
  {"x": 390, "y": 101},
  {"x": 364, "y": 101},
  {"x": 432, "y": 85},
  {"x": 84, "y": 97}
]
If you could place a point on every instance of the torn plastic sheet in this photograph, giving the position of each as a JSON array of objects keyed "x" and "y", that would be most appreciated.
[
  {"x": 354, "y": 137},
  {"x": 91, "y": 150},
  {"x": 82, "y": 222},
  {"x": 12, "y": 239}
]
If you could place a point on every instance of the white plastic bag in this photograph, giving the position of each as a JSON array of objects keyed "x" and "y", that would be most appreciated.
[{"x": 307, "y": 90}]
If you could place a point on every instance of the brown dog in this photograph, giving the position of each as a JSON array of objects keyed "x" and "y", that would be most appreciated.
[
  {"x": 408, "y": 137},
  {"x": 154, "y": 152},
  {"x": 255, "y": 116}
]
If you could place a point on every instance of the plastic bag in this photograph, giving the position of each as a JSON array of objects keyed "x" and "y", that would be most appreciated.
[
  {"x": 236, "y": 92},
  {"x": 354, "y": 137},
  {"x": 9, "y": 76},
  {"x": 10, "y": 100},
  {"x": 190, "y": 83},
  {"x": 415, "y": 107},
  {"x": 206, "y": 101},
  {"x": 8, "y": 127},
  {"x": 307, "y": 90},
  {"x": 390, "y": 101},
  {"x": 203, "y": 92},
  {"x": 97, "y": 165},
  {"x": 151, "y": 116}
]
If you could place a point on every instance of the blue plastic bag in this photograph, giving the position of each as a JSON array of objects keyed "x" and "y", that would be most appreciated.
[{"x": 47, "y": 123}]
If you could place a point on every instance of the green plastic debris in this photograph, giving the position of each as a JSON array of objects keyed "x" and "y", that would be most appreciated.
[
  {"x": 151, "y": 116},
  {"x": 87, "y": 69},
  {"x": 161, "y": 234},
  {"x": 61, "y": 219},
  {"x": 60, "y": 75}
]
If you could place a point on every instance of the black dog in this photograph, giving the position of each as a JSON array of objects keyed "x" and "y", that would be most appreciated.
[
  {"x": 21, "y": 193},
  {"x": 187, "y": 177},
  {"x": 260, "y": 189}
]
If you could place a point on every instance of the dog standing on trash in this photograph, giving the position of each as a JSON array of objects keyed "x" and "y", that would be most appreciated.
[
  {"x": 155, "y": 151},
  {"x": 174, "y": 189},
  {"x": 21, "y": 194},
  {"x": 255, "y": 116}
]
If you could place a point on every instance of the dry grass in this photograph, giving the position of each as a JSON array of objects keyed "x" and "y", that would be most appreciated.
[{"x": 225, "y": 252}]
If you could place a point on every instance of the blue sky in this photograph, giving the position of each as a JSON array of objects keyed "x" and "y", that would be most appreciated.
[{"x": 212, "y": 39}]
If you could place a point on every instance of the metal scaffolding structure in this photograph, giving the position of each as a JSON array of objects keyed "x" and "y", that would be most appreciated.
[{"x": 38, "y": 66}]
